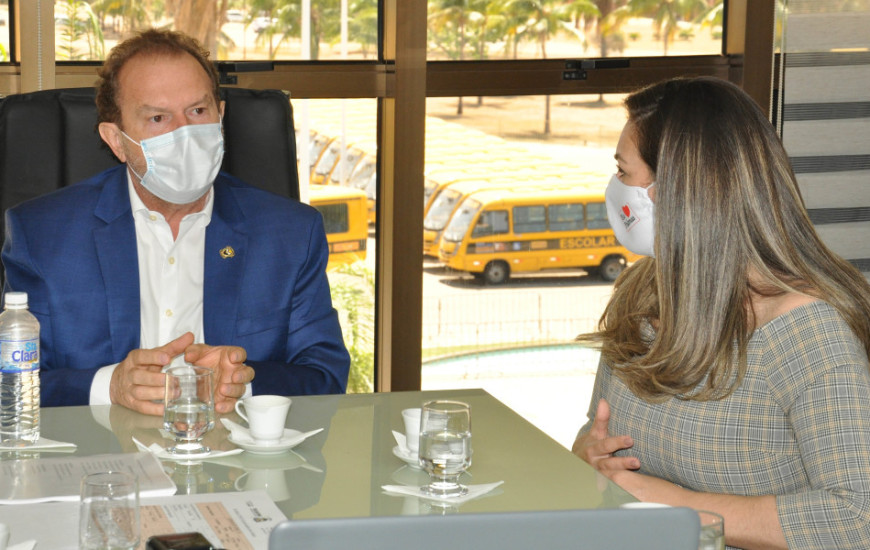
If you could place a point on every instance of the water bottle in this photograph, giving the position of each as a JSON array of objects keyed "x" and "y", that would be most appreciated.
[{"x": 19, "y": 372}]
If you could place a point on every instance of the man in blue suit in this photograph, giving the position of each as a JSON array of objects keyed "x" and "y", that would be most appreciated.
[{"x": 164, "y": 259}]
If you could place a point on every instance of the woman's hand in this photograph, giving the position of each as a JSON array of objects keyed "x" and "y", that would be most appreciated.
[{"x": 596, "y": 447}]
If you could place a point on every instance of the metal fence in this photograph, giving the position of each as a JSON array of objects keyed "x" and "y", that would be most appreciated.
[{"x": 508, "y": 318}]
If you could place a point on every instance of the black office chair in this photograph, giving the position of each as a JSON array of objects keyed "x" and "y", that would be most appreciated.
[{"x": 48, "y": 140}]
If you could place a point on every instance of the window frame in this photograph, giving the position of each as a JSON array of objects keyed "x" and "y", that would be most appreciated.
[{"x": 401, "y": 80}]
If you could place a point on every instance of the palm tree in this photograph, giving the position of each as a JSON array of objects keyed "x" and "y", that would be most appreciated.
[
  {"x": 666, "y": 14},
  {"x": 134, "y": 14},
  {"x": 79, "y": 22},
  {"x": 268, "y": 10},
  {"x": 713, "y": 17},
  {"x": 198, "y": 18},
  {"x": 363, "y": 24},
  {"x": 544, "y": 19},
  {"x": 451, "y": 28}
]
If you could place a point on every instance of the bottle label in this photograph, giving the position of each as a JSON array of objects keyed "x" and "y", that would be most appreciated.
[{"x": 19, "y": 355}]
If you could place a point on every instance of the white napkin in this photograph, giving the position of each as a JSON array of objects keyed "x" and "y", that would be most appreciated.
[
  {"x": 242, "y": 434},
  {"x": 43, "y": 444},
  {"x": 163, "y": 454},
  {"x": 474, "y": 491}
]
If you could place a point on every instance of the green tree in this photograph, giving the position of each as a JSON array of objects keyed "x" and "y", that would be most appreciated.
[
  {"x": 545, "y": 18},
  {"x": 454, "y": 30},
  {"x": 666, "y": 15},
  {"x": 713, "y": 17},
  {"x": 198, "y": 18},
  {"x": 353, "y": 295},
  {"x": 363, "y": 25},
  {"x": 79, "y": 23},
  {"x": 133, "y": 14},
  {"x": 263, "y": 14}
]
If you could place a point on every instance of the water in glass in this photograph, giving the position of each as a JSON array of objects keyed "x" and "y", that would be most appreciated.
[
  {"x": 445, "y": 446},
  {"x": 188, "y": 412}
]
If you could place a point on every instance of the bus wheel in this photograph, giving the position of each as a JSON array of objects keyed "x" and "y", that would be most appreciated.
[
  {"x": 611, "y": 268},
  {"x": 497, "y": 272}
]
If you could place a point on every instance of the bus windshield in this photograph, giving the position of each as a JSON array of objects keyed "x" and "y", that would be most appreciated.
[
  {"x": 429, "y": 187},
  {"x": 458, "y": 226},
  {"x": 439, "y": 213}
]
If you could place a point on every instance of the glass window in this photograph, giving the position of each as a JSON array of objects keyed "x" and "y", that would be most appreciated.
[
  {"x": 491, "y": 222},
  {"x": 515, "y": 338},
  {"x": 334, "y": 217},
  {"x": 458, "y": 226},
  {"x": 348, "y": 221},
  {"x": 345, "y": 29},
  {"x": 493, "y": 29},
  {"x": 442, "y": 208},
  {"x": 566, "y": 217},
  {"x": 5, "y": 23},
  {"x": 530, "y": 219},
  {"x": 596, "y": 216},
  {"x": 246, "y": 30}
]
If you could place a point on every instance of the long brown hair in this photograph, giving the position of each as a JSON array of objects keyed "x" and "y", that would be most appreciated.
[{"x": 727, "y": 204}]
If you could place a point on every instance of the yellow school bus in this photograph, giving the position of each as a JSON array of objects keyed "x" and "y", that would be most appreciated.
[
  {"x": 449, "y": 198},
  {"x": 345, "y": 219},
  {"x": 497, "y": 232}
]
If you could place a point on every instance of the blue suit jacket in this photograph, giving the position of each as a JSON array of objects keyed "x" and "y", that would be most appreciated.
[{"x": 74, "y": 253}]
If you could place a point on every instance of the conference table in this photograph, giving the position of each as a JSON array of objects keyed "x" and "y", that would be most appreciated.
[{"x": 340, "y": 471}]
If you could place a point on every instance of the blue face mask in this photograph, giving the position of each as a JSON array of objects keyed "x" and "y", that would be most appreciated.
[
  {"x": 182, "y": 164},
  {"x": 632, "y": 216}
]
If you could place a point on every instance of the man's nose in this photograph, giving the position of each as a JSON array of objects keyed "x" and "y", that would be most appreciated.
[{"x": 178, "y": 122}]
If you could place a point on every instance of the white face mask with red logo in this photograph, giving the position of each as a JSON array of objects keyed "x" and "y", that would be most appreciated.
[{"x": 632, "y": 215}]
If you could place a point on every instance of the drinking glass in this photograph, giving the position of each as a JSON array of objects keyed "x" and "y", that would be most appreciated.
[
  {"x": 188, "y": 412},
  {"x": 712, "y": 531},
  {"x": 109, "y": 511},
  {"x": 445, "y": 446}
]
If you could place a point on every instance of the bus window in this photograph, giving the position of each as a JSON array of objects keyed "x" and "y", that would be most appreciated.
[
  {"x": 491, "y": 222},
  {"x": 429, "y": 187},
  {"x": 458, "y": 225},
  {"x": 441, "y": 210},
  {"x": 334, "y": 217},
  {"x": 596, "y": 216},
  {"x": 530, "y": 219},
  {"x": 566, "y": 217}
]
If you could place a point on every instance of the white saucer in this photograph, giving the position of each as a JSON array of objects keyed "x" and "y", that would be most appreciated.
[
  {"x": 411, "y": 459},
  {"x": 290, "y": 439}
]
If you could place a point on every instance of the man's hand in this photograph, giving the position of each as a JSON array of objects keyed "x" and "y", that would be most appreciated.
[
  {"x": 596, "y": 447},
  {"x": 228, "y": 363},
  {"x": 137, "y": 382}
]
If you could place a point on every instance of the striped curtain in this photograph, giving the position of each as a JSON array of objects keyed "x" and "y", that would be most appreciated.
[{"x": 823, "y": 115}]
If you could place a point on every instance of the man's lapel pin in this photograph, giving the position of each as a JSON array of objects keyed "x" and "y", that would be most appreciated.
[{"x": 227, "y": 252}]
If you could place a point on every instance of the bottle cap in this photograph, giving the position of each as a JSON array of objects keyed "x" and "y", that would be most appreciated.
[{"x": 16, "y": 299}]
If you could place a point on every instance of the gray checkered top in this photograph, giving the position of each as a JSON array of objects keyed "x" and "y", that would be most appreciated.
[{"x": 797, "y": 427}]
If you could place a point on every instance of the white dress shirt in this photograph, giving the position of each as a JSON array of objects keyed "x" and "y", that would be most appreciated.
[{"x": 171, "y": 275}]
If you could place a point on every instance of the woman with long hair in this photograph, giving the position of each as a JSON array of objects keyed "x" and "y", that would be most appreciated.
[{"x": 734, "y": 370}]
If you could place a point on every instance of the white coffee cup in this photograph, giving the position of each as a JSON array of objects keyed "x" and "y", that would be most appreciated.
[
  {"x": 266, "y": 416},
  {"x": 412, "y": 428}
]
